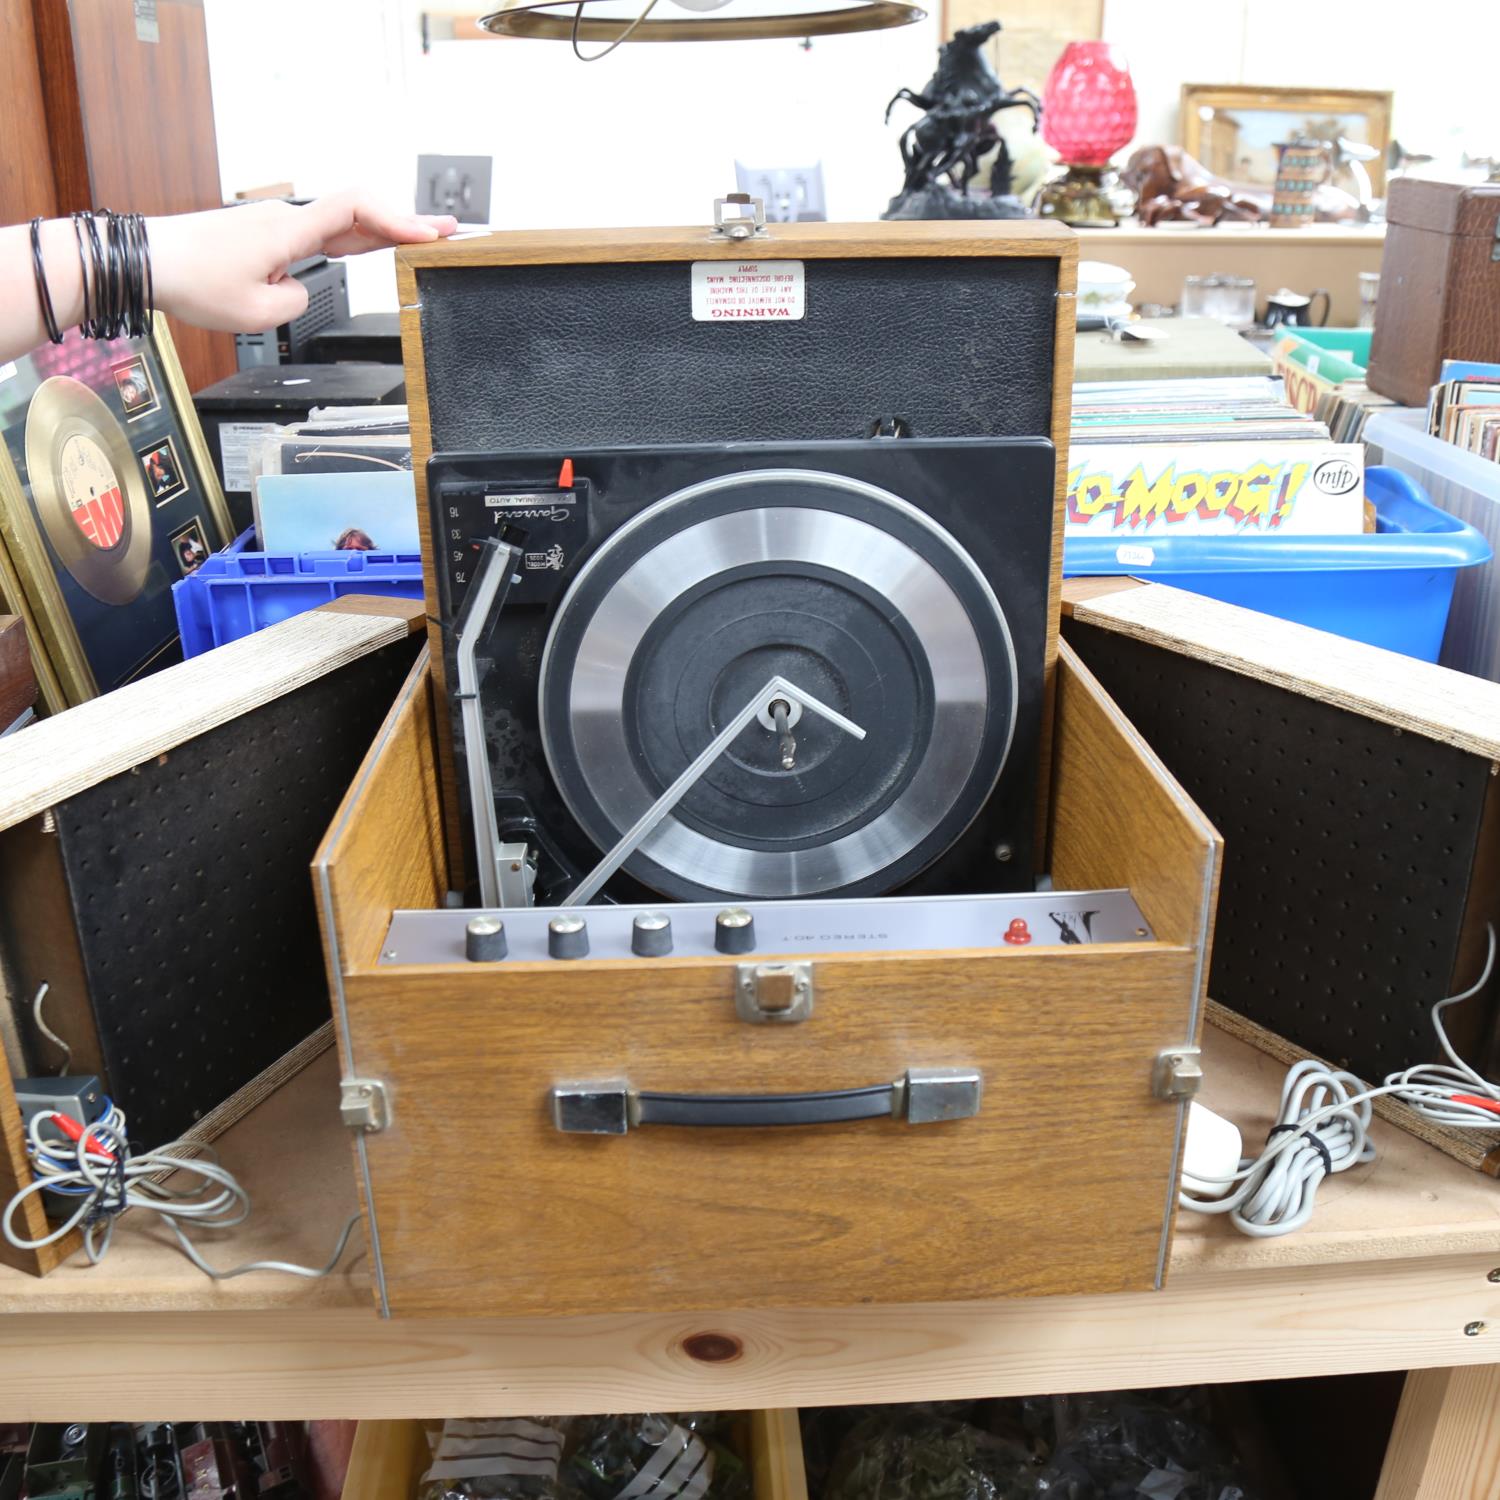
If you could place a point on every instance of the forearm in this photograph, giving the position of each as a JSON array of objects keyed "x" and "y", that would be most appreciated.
[
  {"x": 227, "y": 268},
  {"x": 21, "y": 324}
]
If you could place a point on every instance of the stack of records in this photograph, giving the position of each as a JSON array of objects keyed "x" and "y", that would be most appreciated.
[
  {"x": 1207, "y": 457},
  {"x": 339, "y": 481},
  {"x": 1464, "y": 408}
]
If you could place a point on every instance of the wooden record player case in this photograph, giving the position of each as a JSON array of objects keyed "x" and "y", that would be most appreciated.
[
  {"x": 1065, "y": 1182},
  {"x": 1065, "y": 1179}
]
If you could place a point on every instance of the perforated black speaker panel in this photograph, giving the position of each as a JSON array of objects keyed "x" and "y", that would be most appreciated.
[
  {"x": 528, "y": 357},
  {"x": 193, "y": 899},
  {"x": 1348, "y": 847}
]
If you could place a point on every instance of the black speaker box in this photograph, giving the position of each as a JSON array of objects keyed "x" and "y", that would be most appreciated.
[{"x": 1357, "y": 796}]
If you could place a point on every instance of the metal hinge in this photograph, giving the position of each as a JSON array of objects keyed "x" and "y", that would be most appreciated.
[
  {"x": 362, "y": 1105},
  {"x": 1178, "y": 1073}
]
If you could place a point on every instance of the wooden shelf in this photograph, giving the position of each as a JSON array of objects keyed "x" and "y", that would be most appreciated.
[
  {"x": 1392, "y": 1270},
  {"x": 1322, "y": 255},
  {"x": 292, "y": 1156}
]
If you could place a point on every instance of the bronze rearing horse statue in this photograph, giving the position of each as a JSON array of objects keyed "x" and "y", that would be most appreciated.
[{"x": 957, "y": 129}]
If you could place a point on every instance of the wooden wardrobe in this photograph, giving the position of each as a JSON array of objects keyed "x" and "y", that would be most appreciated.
[{"x": 107, "y": 104}]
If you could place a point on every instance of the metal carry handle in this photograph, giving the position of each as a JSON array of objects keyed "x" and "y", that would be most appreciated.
[{"x": 921, "y": 1096}]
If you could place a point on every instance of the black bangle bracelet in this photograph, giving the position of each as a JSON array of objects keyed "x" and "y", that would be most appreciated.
[
  {"x": 91, "y": 257},
  {"x": 134, "y": 293},
  {"x": 148, "y": 276},
  {"x": 114, "y": 257},
  {"x": 83, "y": 271},
  {"x": 43, "y": 291},
  {"x": 113, "y": 275},
  {"x": 118, "y": 288},
  {"x": 139, "y": 262}
]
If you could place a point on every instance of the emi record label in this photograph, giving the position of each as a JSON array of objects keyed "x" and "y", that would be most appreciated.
[{"x": 726, "y": 290}]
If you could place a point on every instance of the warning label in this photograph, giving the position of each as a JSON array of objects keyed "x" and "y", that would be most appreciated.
[{"x": 726, "y": 290}]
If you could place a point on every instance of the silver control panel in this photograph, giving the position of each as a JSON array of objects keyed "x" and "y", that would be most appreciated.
[{"x": 1045, "y": 919}]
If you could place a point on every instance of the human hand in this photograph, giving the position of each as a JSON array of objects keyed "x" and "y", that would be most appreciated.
[{"x": 227, "y": 268}]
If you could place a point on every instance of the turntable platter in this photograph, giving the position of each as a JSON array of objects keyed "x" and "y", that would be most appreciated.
[
  {"x": 854, "y": 595},
  {"x": 88, "y": 489}
]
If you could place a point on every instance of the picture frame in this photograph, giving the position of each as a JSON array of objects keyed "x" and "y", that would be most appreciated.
[
  {"x": 165, "y": 475},
  {"x": 103, "y": 471},
  {"x": 1233, "y": 128},
  {"x": 1034, "y": 36}
]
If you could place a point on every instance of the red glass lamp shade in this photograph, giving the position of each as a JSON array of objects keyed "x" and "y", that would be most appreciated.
[{"x": 1088, "y": 108}]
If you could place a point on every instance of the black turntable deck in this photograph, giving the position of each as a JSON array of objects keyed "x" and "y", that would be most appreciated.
[{"x": 898, "y": 585}]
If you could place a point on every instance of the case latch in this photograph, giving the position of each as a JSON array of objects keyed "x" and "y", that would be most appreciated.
[
  {"x": 1178, "y": 1073},
  {"x": 740, "y": 217},
  {"x": 362, "y": 1105},
  {"x": 773, "y": 992}
]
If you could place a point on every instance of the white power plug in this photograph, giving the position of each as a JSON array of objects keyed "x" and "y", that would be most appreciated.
[{"x": 1213, "y": 1147}]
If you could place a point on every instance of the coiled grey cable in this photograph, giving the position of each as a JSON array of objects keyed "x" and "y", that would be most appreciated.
[
  {"x": 1323, "y": 1124},
  {"x": 47, "y": 1031},
  {"x": 102, "y": 1173}
]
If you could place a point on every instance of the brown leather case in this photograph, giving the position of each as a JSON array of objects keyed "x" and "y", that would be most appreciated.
[{"x": 1439, "y": 285}]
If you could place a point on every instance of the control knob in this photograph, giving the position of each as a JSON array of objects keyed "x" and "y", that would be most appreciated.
[
  {"x": 484, "y": 940},
  {"x": 734, "y": 930},
  {"x": 568, "y": 937},
  {"x": 651, "y": 934}
]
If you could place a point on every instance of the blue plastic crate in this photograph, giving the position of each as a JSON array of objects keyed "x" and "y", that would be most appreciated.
[
  {"x": 1391, "y": 587},
  {"x": 237, "y": 592}
]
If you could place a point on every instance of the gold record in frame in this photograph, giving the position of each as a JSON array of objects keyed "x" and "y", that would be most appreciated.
[
  {"x": 88, "y": 490},
  {"x": 25, "y": 571}
]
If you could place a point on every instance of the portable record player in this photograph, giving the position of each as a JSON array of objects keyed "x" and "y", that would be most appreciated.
[
  {"x": 741, "y": 809},
  {"x": 662, "y": 588}
]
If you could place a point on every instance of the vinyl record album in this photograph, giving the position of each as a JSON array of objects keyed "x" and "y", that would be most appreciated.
[
  {"x": 843, "y": 588},
  {"x": 88, "y": 490}
]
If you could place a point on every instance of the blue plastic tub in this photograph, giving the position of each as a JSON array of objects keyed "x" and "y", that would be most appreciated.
[
  {"x": 237, "y": 592},
  {"x": 1391, "y": 587}
]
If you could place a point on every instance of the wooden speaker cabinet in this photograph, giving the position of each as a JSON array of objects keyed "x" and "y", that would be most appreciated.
[
  {"x": 1357, "y": 795},
  {"x": 150, "y": 844}
]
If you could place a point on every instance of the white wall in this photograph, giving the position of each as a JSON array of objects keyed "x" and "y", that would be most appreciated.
[
  {"x": 331, "y": 92},
  {"x": 1440, "y": 59},
  {"x": 648, "y": 135}
]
